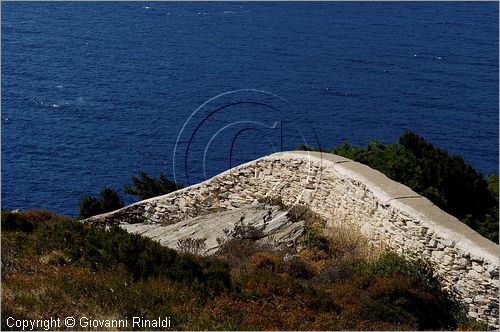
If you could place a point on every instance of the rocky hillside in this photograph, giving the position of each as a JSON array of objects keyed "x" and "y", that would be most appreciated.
[
  {"x": 205, "y": 234},
  {"x": 326, "y": 279},
  {"x": 345, "y": 194}
]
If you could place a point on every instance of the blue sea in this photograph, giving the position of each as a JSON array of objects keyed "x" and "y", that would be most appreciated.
[{"x": 94, "y": 92}]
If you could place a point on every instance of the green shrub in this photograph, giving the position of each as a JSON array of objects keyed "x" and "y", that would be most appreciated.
[
  {"x": 300, "y": 269},
  {"x": 493, "y": 185},
  {"x": 319, "y": 300},
  {"x": 313, "y": 237},
  {"x": 100, "y": 249},
  {"x": 27, "y": 221},
  {"x": 407, "y": 288},
  {"x": 146, "y": 187},
  {"x": 191, "y": 246},
  {"x": 108, "y": 201},
  {"x": 15, "y": 222},
  {"x": 216, "y": 274},
  {"x": 390, "y": 264}
]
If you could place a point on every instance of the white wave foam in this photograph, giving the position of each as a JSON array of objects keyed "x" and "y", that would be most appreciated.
[
  {"x": 45, "y": 104},
  {"x": 428, "y": 56}
]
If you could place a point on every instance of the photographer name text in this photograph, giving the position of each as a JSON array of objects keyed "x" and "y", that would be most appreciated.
[{"x": 83, "y": 322}]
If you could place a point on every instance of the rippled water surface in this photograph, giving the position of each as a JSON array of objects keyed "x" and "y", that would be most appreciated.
[{"x": 94, "y": 92}]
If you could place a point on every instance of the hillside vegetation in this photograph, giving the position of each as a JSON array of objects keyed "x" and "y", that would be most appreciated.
[
  {"x": 55, "y": 266},
  {"x": 444, "y": 179},
  {"x": 143, "y": 187}
]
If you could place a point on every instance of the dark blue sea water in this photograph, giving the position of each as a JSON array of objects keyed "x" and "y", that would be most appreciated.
[{"x": 94, "y": 92}]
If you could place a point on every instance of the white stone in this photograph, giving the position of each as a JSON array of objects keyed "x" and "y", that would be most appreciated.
[
  {"x": 473, "y": 275},
  {"x": 478, "y": 268},
  {"x": 447, "y": 260},
  {"x": 432, "y": 243},
  {"x": 493, "y": 271},
  {"x": 462, "y": 262},
  {"x": 481, "y": 299},
  {"x": 437, "y": 255}
]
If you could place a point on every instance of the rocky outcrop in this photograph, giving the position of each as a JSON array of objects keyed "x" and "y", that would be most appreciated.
[
  {"x": 267, "y": 224},
  {"x": 346, "y": 194}
]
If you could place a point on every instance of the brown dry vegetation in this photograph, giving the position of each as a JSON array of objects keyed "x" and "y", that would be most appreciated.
[{"x": 52, "y": 266}]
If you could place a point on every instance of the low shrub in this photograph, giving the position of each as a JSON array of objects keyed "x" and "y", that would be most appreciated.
[
  {"x": 99, "y": 249},
  {"x": 146, "y": 186},
  {"x": 16, "y": 222},
  {"x": 191, "y": 246},
  {"x": 26, "y": 221},
  {"x": 313, "y": 237},
  {"x": 407, "y": 287},
  {"x": 299, "y": 269},
  {"x": 108, "y": 201},
  {"x": 335, "y": 271},
  {"x": 237, "y": 251}
]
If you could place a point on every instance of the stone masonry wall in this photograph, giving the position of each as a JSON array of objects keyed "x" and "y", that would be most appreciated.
[{"x": 348, "y": 194}]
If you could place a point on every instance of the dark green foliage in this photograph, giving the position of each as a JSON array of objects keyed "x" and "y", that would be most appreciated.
[
  {"x": 99, "y": 249},
  {"x": 322, "y": 301},
  {"x": 312, "y": 237},
  {"x": 146, "y": 187},
  {"x": 445, "y": 179},
  {"x": 406, "y": 291},
  {"x": 108, "y": 201},
  {"x": 390, "y": 264},
  {"x": 26, "y": 221},
  {"x": 16, "y": 222},
  {"x": 300, "y": 269},
  {"x": 493, "y": 184},
  {"x": 216, "y": 274}
]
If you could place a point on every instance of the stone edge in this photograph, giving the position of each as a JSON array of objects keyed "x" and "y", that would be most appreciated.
[{"x": 399, "y": 196}]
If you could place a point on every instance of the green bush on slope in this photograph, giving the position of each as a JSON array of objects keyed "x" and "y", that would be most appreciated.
[
  {"x": 99, "y": 249},
  {"x": 146, "y": 186},
  {"x": 108, "y": 201}
]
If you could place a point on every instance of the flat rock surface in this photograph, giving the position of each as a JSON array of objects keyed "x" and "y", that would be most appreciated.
[{"x": 276, "y": 228}]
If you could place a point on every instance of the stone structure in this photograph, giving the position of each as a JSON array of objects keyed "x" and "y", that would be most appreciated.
[
  {"x": 271, "y": 226},
  {"x": 348, "y": 194}
]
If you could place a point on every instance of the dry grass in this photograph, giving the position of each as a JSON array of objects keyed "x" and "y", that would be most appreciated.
[{"x": 332, "y": 283}]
